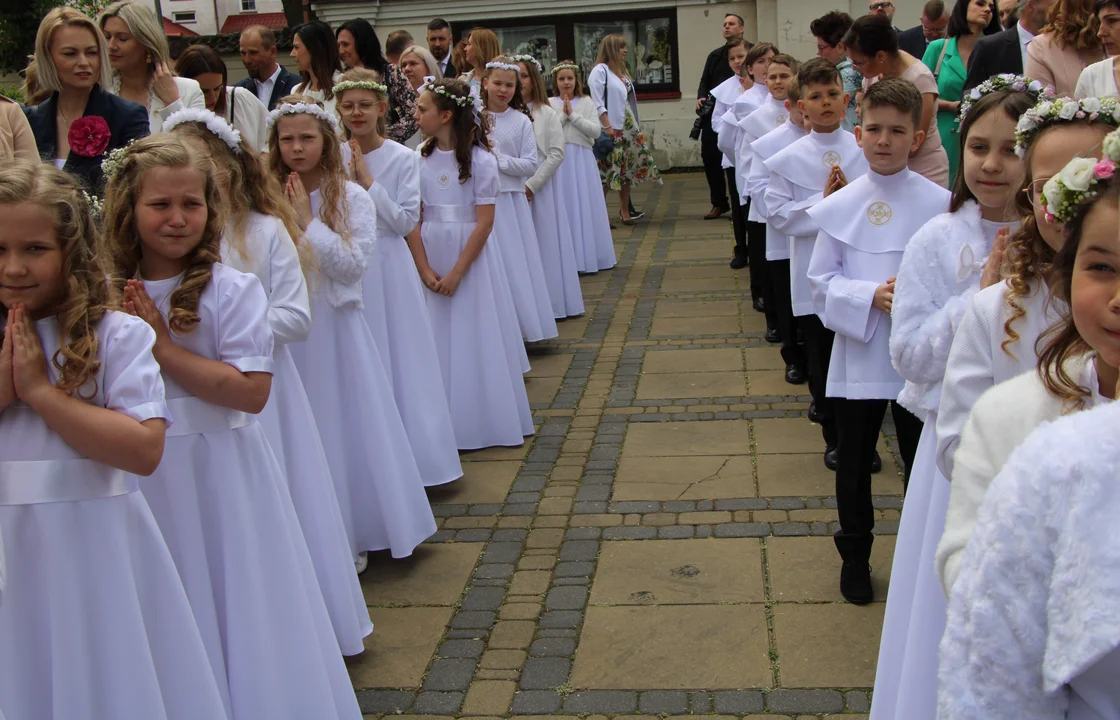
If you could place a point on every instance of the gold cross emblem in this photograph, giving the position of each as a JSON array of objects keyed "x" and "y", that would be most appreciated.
[
  {"x": 879, "y": 213},
  {"x": 830, "y": 158},
  {"x": 781, "y": 120},
  {"x": 444, "y": 181}
]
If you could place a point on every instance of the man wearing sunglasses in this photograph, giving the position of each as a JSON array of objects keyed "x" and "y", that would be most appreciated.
[
  {"x": 882, "y": 7},
  {"x": 934, "y": 23}
]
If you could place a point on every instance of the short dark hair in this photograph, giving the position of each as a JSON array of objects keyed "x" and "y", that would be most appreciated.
[
  {"x": 831, "y": 27},
  {"x": 793, "y": 90},
  {"x": 1100, "y": 5},
  {"x": 398, "y": 41},
  {"x": 897, "y": 93},
  {"x": 934, "y": 9},
  {"x": 872, "y": 34},
  {"x": 818, "y": 71},
  {"x": 439, "y": 24},
  {"x": 787, "y": 60},
  {"x": 737, "y": 17},
  {"x": 755, "y": 52},
  {"x": 268, "y": 38}
]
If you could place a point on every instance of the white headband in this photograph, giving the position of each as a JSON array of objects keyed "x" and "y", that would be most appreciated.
[
  {"x": 566, "y": 66},
  {"x": 299, "y": 109},
  {"x": 528, "y": 59},
  {"x": 496, "y": 65},
  {"x": 430, "y": 86},
  {"x": 216, "y": 125}
]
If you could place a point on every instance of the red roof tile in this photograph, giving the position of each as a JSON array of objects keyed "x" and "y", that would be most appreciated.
[
  {"x": 174, "y": 29},
  {"x": 237, "y": 23}
]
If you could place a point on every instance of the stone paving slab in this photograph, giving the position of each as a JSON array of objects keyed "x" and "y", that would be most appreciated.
[{"x": 662, "y": 546}]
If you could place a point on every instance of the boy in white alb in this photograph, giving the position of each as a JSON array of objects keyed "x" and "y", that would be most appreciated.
[
  {"x": 778, "y": 307},
  {"x": 864, "y": 229},
  {"x": 800, "y": 174}
]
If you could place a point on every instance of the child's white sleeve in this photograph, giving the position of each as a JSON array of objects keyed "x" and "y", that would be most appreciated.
[
  {"x": 843, "y": 304},
  {"x": 758, "y": 178},
  {"x": 787, "y": 215}
]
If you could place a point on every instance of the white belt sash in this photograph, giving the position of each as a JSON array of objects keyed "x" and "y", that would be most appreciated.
[{"x": 450, "y": 213}]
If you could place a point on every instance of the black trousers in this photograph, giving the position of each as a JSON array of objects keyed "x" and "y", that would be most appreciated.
[
  {"x": 859, "y": 423},
  {"x": 756, "y": 253},
  {"x": 738, "y": 213},
  {"x": 818, "y": 349},
  {"x": 713, "y": 166},
  {"x": 792, "y": 353}
]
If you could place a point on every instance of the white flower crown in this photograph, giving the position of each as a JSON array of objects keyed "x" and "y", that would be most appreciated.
[
  {"x": 299, "y": 109},
  {"x": 1006, "y": 81},
  {"x": 528, "y": 59},
  {"x": 1065, "y": 109},
  {"x": 216, "y": 125},
  {"x": 111, "y": 165},
  {"x": 499, "y": 65},
  {"x": 565, "y": 66},
  {"x": 430, "y": 86},
  {"x": 95, "y": 205},
  {"x": 1080, "y": 180},
  {"x": 345, "y": 85}
]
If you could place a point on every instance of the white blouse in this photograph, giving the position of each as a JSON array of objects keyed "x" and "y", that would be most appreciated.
[
  {"x": 340, "y": 262},
  {"x": 582, "y": 127},
  {"x": 1098, "y": 80},
  {"x": 248, "y": 116},
  {"x": 515, "y": 147},
  {"x": 549, "y": 135},
  {"x": 190, "y": 96},
  {"x": 611, "y": 95}
]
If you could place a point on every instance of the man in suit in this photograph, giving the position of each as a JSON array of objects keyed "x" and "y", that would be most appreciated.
[
  {"x": 268, "y": 79},
  {"x": 1008, "y": 13},
  {"x": 934, "y": 21},
  {"x": 439, "y": 44},
  {"x": 397, "y": 42},
  {"x": 716, "y": 70},
  {"x": 1006, "y": 52}
]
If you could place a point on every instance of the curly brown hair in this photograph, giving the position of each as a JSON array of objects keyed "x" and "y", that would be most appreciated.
[
  {"x": 332, "y": 181},
  {"x": 465, "y": 133},
  {"x": 518, "y": 100},
  {"x": 88, "y": 294},
  {"x": 1072, "y": 23},
  {"x": 122, "y": 245}
]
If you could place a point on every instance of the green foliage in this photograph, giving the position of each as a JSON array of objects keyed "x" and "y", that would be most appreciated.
[
  {"x": 11, "y": 92},
  {"x": 20, "y": 21}
]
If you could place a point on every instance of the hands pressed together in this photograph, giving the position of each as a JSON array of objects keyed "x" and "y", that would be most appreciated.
[
  {"x": 138, "y": 303},
  {"x": 300, "y": 201},
  {"x": 836, "y": 181},
  {"x": 23, "y": 364}
]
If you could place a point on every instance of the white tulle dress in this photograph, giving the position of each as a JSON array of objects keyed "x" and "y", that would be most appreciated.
[
  {"x": 477, "y": 338},
  {"x": 266, "y": 250},
  {"x": 95, "y": 622},
  {"x": 222, "y": 503},
  {"x": 372, "y": 463}
]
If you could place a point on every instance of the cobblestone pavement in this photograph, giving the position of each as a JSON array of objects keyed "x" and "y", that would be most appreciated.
[{"x": 662, "y": 546}]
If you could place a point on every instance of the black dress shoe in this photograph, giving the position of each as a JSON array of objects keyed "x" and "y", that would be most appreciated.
[
  {"x": 876, "y": 464},
  {"x": 794, "y": 375},
  {"x": 855, "y": 583},
  {"x": 830, "y": 461},
  {"x": 814, "y": 416},
  {"x": 773, "y": 336},
  {"x": 759, "y": 305},
  {"x": 738, "y": 262}
]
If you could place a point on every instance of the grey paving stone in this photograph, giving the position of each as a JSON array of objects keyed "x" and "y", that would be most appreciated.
[
  {"x": 738, "y": 702},
  {"x": 593, "y": 494},
  {"x": 660, "y": 702},
  {"x": 804, "y": 701},
  {"x": 544, "y": 673},
  {"x": 473, "y": 535},
  {"x": 630, "y": 532},
  {"x": 468, "y": 634},
  {"x": 886, "y": 502},
  {"x": 583, "y": 533},
  {"x": 561, "y": 619},
  {"x": 450, "y": 674},
  {"x": 634, "y": 507},
  {"x": 510, "y": 535},
  {"x": 739, "y": 504},
  {"x": 597, "y": 479},
  {"x": 857, "y": 701},
  {"x": 813, "y": 503},
  {"x": 441, "y": 536},
  {"x": 542, "y": 454},
  {"x": 501, "y": 552},
  {"x": 472, "y": 620},
  {"x": 603, "y": 702},
  {"x": 787, "y": 503},
  {"x": 483, "y": 598},
  {"x": 384, "y": 701},
  {"x": 788, "y": 529},
  {"x": 604, "y": 453},
  {"x": 566, "y": 598},
  {"x": 705, "y": 505},
  {"x": 461, "y": 648},
  {"x": 687, "y": 416},
  {"x": 494, "y": 571},
  {"x": 520, "y": 509},
  {"x": 488, "y": 582},
  {"x": 829, "y": 502},
  {"x": 572, "y": 581},
  {"x": 703, "y": 531},
  {"x": 819, "y": 528},
  {"x": 553, "y": 647},
  {"x": 449, "y": 510},
  {"x": 678, "y": 506},
  {"x": 485, "y": 509},
  {"x": 523, "y": 497},
  {"x": 675, "y": 532},
  {"x": 533, "y": 483},
  {"x": 558, "y": 633},
  {"x": 537, "y": 702},
  {"x": 573, "y": 569},
  {"x": 580, "y": 550},
  {"x": 741, "y": 530},
  {"x": 437, "y": 703},
  {"x": 700, "y": 703},
  {"x": 886, "y": 527},
  {"x": 591, "y": 508}
]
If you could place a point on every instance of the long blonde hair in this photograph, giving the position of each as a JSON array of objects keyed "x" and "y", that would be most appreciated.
[
  {"x": 144, "y": 26},
  {"x": 332, "y": 181},
  {"x": 486, "y": 46},
  {"x": 87, "y": 295},
  {"x": 121, "y": 243},
  {"x": 610, "y": 54},
  {"x": 44, "y": 73}
]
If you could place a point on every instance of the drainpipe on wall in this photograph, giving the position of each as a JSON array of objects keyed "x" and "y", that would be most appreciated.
[{"x": 217, "y": 18}]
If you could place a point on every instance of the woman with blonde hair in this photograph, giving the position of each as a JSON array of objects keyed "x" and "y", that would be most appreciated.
[
  {"x": 81, "y": 122},
  {"x": 612, "y": 91},
  {"x": 141, "y": 63},
  {"x": 1065, "y": 47},
  {"x": 459, "y": 58},
  {"x": 482, "y": 47},
  {"x": 418, "y": 63}
]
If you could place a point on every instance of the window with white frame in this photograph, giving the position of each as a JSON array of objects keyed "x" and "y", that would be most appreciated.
[
  {"x": 248, "y": 6},
  {"x": 183, "y": 17}
]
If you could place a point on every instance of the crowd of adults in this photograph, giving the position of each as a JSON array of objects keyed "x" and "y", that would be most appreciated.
[{"x": 1071, "y": 45}]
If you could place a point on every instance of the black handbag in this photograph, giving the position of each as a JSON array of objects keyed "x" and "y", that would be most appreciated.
[{"x": 604, "y": 144}]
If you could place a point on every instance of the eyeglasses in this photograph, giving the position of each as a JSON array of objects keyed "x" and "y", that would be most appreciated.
[
  {"x": 880, "y": 5},
  {"x": 349, "y": 108},
  {"x": 1034, "y": 191}
]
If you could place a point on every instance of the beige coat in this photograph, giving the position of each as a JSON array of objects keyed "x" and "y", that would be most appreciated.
[
  {"x": 16, "y": 139},
  {"x": 1057, "y": 66}
]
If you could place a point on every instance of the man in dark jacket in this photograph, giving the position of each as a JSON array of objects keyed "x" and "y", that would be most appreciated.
[
  {"x": 934, "y": 22},
  {"x": 716, "y": 70},
  {"x": 268, "y": 79}
]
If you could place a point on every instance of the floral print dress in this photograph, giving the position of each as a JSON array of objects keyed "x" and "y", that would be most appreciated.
[
  {"x": 631, "y": 161},
  {"x": 402, "y": 106}
]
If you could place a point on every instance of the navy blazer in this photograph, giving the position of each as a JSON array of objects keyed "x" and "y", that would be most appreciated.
[
  {"x": 285, "y": 81},
  {"x": 993, "y": 55},
  {"x": 913, "y": 41},
  {"x": 127, "y": 121}
]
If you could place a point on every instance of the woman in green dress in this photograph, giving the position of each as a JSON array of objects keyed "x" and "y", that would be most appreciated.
[{"x": 948, "y": 60}]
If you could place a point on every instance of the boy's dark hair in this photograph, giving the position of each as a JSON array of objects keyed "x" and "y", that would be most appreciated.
[
  {"x": 831, "y": 27},
  {"x": 755, "y": 53},
  {"x": 871, "y": 34},
  {"x": 900, "y": 94},
  {"x": 787, "y": 60},
  {"x": 818, "y": 71},
  {"x": 793, "y": 89}
]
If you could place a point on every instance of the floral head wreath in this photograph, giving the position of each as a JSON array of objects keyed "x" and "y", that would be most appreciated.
[
  {"x": 1080, "y": 180},
  {"x": 565, "y": 66},
  {"x": 216, "y": 125},
  {"x": 345, "y": 85},
  {"x": 299, "y": 109},
  {"x": 1048, "y": 112},
  {"x": 1006, "y": 81},
  {"x": 111, "y": 165},
  {"x": 430, "y": 86},
  {"x": 527, "y": 59},
  {"x": 499, "y": 65}
]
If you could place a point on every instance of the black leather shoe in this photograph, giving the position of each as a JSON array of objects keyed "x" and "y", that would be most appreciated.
[
  {"x": 830, "y": 458},
  {"x": 877, "y": 464},
  {"x": 773, "y": 336},
  {"x": 738, "y": 262},
  {"x": 814, "y": 416},
  {"x": 794, "y": 375},
  {"x": 855, "y": 583},
  {"x": 759, "y": 305}
]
